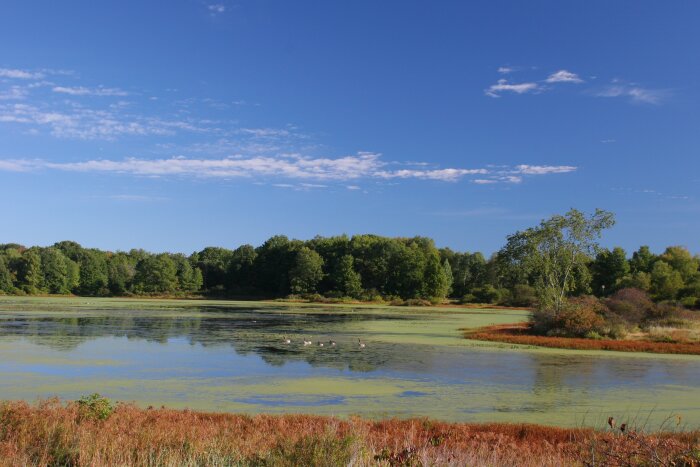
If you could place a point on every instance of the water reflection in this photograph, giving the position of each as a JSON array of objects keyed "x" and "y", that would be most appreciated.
[
  {"x": 246, "y": 331},
  {"x": 234, "y": 359}
]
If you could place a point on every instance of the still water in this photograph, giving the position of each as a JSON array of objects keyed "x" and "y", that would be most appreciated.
[{"x": 233, "y": 356}]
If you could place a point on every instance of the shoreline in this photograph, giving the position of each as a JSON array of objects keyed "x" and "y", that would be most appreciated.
[{"x": 516, "y": 333}]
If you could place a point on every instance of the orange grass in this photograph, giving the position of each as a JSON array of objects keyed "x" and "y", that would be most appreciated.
[
  {"x": 520, "y": 333},
  {"x": 54, "y": 433}
]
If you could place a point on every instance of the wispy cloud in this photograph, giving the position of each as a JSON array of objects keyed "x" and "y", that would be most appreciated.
[
  {"x": 83, "y": 91},
  {"x": 502, "y": 85},
  {"x": 633, "y": 93},
  {"x": 363, "y": 165},
  {"x": 14, "y": 93},
  {"x": 563, "y": 76},
  {"x": 543, "y": 169},
  {"x": 19, "y": 74},
  {"x": 86, "y": 123},
  {"x": 216, "y": 8}
]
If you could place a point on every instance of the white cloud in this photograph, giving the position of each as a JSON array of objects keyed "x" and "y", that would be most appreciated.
[
  {"x": 83, "y": 91},
  {"x": 445, "y": 175},
  {"x": 484, "y": 181},
  {"x": 503, "y": 86},
  {"x": 16, "y": 165},
  {"x": 564, "y": 76},
  {"x": 504, "y": 70},
  {"x": 85, "y": 123},
  {"x": 216, "y": 8},
  {"x": 19, "y": 74},
  {"x": 543, "y": 169},
  {"x": 14, "y": 93},
  {"x": 634, "y": 93},
  {"x": 363, "y": 165}
]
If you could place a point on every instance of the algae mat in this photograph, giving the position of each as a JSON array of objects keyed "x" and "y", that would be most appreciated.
[{"x": 233, "y": 356}]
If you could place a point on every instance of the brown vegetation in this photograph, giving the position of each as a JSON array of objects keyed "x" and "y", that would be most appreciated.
[
  {"x": 521, "y": 333},
  {"x": 91, "y": 433}
]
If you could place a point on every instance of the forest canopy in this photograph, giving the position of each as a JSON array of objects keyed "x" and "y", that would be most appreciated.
[{"x": 361, "y": 267}]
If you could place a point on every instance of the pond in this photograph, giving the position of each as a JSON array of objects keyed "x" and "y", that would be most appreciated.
[{"x": 233, "y": 356}]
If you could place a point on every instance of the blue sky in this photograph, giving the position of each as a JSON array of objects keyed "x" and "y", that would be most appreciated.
[{"x": 181, "y": 124}]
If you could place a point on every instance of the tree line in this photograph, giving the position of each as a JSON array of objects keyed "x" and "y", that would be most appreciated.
[{"x": 362, "y": 267}]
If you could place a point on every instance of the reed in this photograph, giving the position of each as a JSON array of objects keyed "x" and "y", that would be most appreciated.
[{"x": 51, "y": 432}]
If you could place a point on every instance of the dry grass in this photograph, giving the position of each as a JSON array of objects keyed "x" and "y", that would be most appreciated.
[
  {"x": 520, "y": 333},
  {"x": 53, "y": 433}
]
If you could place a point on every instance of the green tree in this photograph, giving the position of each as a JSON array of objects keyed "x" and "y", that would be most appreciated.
[
  {"x": 680, "y": 259},
  {"x": 240, "y": 273},
  {"x": 437, "y": 278},
  {"x": 552, "y": 251},
  {"x": 642, "y": 260},
  {"x": 121, "y": 269},
  {"x": 665, "y": 281},
  {"x": 55, "y": 268},
  {"x": 5, "y": 276},
  {"x": 93, "y": 272},
  {"x": 189, "y": 278},
  {"x": 29, "y": 274},
  {"x": 273, "y": 262},
  {"x": 608, "y": 269},
  {"x": 156, "y": 274},
  {"x": 345, "y": 279},
  {"x": 637, "y": 280},
  {"x": 307, "y": 271},
  {"x": 214, "y": 264}
]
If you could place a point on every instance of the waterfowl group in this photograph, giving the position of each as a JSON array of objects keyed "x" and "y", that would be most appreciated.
[{"x": 330, "y": 343}]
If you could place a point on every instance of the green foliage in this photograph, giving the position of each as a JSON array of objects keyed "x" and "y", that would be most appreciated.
[
  {"x": 5, "y": 276},
  {"x": 609, "y": 270},
  {"x": 345, "y": 279},
  {"x": 486, "y": 294},
  {"x": 95, "y": 407},
  {"x": 121, "y": 269},
  {"x": 307, "y": 271},
  {"x": 541, "y": 266},
  {"x": 55, "y": 269},
  {"x": 29, "y": 273},
  {"x": 551, "y": 252},
  {"x": 156, "y": 274},
  {"x": 93, "y": 273},
  {"x": 642, "y": 260},
  {"x": 665, "y": 281}
]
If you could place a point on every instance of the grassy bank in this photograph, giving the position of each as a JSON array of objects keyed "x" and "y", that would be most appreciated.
[
  {"x": 93, "y": 433},
  {"x": 520, "y": 333}
]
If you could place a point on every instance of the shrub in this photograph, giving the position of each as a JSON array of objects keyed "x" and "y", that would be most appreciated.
[
  {"x": 631, "y": 305},
  {"x": 690, "y": 302},
  {"x": 578, "y": 317},
  {"x": 417, "y": 302},
  {"x": 486, "y": 294},
  {"x": 95, "y": 407},
  {"x": 523, "y": 295},
  {"x": 665, "y": 310},
  {"x": 468, "y": 298}
]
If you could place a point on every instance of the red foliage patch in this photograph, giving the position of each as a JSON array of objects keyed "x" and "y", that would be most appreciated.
[{"x": 520, "y": 333}]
